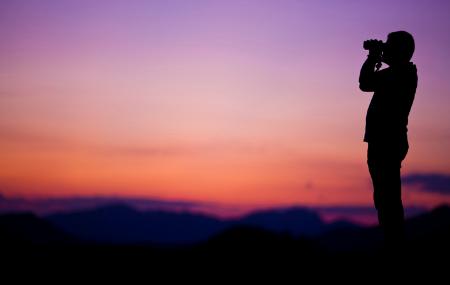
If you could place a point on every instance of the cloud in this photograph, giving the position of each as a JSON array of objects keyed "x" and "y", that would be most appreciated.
[{"x": 429, "y": 182}]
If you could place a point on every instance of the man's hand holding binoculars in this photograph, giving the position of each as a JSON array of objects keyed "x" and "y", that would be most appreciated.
[{"x": 375, "y": 48}]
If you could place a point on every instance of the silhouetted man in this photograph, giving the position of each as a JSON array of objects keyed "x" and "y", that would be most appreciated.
[{"x": 386, "y": 125}]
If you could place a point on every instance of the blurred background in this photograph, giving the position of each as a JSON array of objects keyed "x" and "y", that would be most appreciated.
[{"x": 219, "y": 108}]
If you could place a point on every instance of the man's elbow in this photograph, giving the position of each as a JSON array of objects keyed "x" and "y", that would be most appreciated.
[{"x": 365, "y": 87}]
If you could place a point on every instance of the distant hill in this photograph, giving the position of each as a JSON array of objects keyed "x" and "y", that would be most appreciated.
[
  {"x": 26, "y": 228},
  {"x": 296, "y": 221},
  {"x": 435, "y": 222},
  {"x": 119, "y": 224},
  {"x": 430, "y": 232},
  {"x": 122, "y": 224},
  {"x": 425, "y": 232}
]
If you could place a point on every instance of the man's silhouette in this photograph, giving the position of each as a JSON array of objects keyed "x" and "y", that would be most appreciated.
[{"x": 386, "y": 125}]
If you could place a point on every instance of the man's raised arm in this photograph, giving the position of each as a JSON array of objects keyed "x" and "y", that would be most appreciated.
[{"x": 367, "y": 76}]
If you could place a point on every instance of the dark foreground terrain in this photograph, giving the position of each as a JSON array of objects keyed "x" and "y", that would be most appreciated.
[{"x": 29, "y": 242}]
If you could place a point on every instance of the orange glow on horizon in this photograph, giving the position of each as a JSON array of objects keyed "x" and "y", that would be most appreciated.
[{"x": 178, "y": 102}]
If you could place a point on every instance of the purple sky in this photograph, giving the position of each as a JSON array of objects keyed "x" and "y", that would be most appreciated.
[{"x": 234, "y": 102}]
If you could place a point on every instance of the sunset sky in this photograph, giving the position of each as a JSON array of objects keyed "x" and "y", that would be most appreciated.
[{"x": 240, "y": 103}]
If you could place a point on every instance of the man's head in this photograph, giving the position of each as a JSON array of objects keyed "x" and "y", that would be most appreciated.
[{"x": 399, "y": 48}]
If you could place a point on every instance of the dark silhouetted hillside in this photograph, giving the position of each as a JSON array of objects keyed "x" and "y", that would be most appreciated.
[
  {"x": 119, "y": 224},
  {"x": 426, "y": 233},
  {"x": 256, "y": 243},
  {"x": 281, "y": 231},
  {"x": 430, "y": 232},
  {"x": 295, "y": 221},
  {"x": 26, "y": 228},
  {"x": 129, "y": 241},
  {"x": 435, "y": 222}
]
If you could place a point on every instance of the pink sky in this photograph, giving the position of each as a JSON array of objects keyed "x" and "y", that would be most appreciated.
[{"x": 250, "y": 103}]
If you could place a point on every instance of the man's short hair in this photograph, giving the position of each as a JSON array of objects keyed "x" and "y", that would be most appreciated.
[{"x": 403, "y": 45}]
